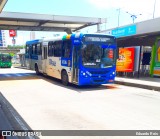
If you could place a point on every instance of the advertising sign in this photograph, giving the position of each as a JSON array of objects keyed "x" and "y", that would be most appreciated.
[
  {"x": 125, "y": 62},
  {"x": 1, "y": 40},
  {"x": 158, "y": 52},
  {"x": 156, "y": 69},
  {"x": 124, "y": 31}
]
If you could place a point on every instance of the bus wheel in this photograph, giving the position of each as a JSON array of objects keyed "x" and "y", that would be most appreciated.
[
  {"x": 64, "y": 78},
  {"x": 37, "y": 70}
]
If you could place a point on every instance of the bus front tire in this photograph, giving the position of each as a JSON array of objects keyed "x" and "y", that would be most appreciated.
[{"x": 64, "y": 78}]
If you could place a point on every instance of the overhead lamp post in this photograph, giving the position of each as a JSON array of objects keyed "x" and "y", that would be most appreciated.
[{"x": 133, "y": 16}]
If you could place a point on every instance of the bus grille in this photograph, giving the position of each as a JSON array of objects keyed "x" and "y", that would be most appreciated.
[
  {"x": 98, "y": 80},
  {"x": 98, "y": 72}
]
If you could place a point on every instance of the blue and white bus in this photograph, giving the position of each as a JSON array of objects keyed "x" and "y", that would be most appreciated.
[{"x": 81, "y": 59}]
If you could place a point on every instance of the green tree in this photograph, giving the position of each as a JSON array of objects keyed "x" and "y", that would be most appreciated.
[{"x": 15, "y": 47}]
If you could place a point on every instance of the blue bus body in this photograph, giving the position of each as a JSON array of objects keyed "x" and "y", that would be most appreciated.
[{"x": 81, "y": 59}]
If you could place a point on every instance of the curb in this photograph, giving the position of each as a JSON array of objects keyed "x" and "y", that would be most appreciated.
[
  {"x": 12, "y": 119},
  {"x": 149, "y": 87}
]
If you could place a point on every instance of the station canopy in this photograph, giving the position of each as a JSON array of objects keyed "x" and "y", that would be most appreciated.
[
  {"x": 2, "y": 4},
  {"x": 45, "y": 22}
]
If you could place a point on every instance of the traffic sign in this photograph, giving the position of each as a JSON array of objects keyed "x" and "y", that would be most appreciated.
[{"x": 12, "y": 33}]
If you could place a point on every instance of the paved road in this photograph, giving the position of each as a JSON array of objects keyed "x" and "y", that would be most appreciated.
[
  {"x": 44, "y": 103},
  {"x": 16, "y": 74}
]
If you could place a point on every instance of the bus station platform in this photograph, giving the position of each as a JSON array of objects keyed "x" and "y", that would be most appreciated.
[{"x": 151, "y": 83}]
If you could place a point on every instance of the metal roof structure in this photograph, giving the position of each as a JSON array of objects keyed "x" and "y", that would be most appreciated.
[
  {"x": 138, "y": 34},
  {"x": 44, "y": 22},
  {"x": 2, "y": 4}
]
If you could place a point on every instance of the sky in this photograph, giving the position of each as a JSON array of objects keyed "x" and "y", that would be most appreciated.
[{"x": 117, "y": 12}]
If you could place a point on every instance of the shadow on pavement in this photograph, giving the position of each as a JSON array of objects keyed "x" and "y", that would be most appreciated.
[
  {"x": 78, "y": 88},
  {"x": 18, "y": 76}
]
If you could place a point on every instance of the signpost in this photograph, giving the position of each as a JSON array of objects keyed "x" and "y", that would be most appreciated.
[{"x": 13, "y": 33}]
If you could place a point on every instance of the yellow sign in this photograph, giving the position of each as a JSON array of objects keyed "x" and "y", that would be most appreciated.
[{"x": 125, "y": 62}]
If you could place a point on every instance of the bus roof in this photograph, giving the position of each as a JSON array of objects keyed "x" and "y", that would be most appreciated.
[
  {"x": 34, "y": 41},
  {"x": 65, "y": 37},
  {"x": 52, "y": 38}
]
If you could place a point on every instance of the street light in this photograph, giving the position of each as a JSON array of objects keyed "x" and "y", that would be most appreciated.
[{"x": 133, "y": 16}]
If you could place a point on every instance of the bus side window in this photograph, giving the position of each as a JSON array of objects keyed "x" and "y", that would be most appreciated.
[
  {"x": 66, "y": 49},
  {"x": 50, "y": 49},
  {"x": 27, "y": 49},
  {"x": 39, "y": 49},
  {"x": 33, "y": 49},
  {"x": 57, "y": 48}
]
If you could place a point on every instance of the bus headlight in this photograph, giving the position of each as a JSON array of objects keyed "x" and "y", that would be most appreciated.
[
  {"x": 87, "y": 72},
  {"x": 83, "y": 73},
  {"x": 112, "y": 74}
]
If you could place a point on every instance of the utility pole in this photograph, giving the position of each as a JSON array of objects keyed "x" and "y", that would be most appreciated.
[
  {"x": 154, "y": 8},
  {"x": 119, "y": 10}
]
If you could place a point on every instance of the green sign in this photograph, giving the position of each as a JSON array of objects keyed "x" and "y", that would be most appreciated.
[{"x": 155, "y": 62}]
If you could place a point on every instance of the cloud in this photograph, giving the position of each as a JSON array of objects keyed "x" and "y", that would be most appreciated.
[
  {"x": 134, "y": 6},
  {"x": 101, "y": 4}
]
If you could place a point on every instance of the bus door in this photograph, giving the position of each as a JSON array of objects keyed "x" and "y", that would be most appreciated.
[
  {"x": 44, "y": 59},
  {"x": 29, "y": 56},
  {"x": 75, "y": 66}
]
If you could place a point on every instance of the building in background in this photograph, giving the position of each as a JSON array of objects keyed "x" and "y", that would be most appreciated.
[
  {"x": 2, "y": 39},
  {"x": 32, "y": 35}
]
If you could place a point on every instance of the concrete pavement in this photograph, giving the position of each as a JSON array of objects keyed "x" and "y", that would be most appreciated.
[{"x": 46, "y": 104}]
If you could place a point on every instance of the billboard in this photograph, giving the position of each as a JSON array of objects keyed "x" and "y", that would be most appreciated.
[
  {"x": 1, "y": 39},
  {"x": 155, "y": 64},
  {"x": 125, "y": 62}
]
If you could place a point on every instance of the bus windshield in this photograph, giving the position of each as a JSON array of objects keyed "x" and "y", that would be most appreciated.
[{"x": 95, "y": 56}]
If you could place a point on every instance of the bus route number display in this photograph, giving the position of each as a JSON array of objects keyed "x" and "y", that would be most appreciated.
[{"x": 98, "y": 39}]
